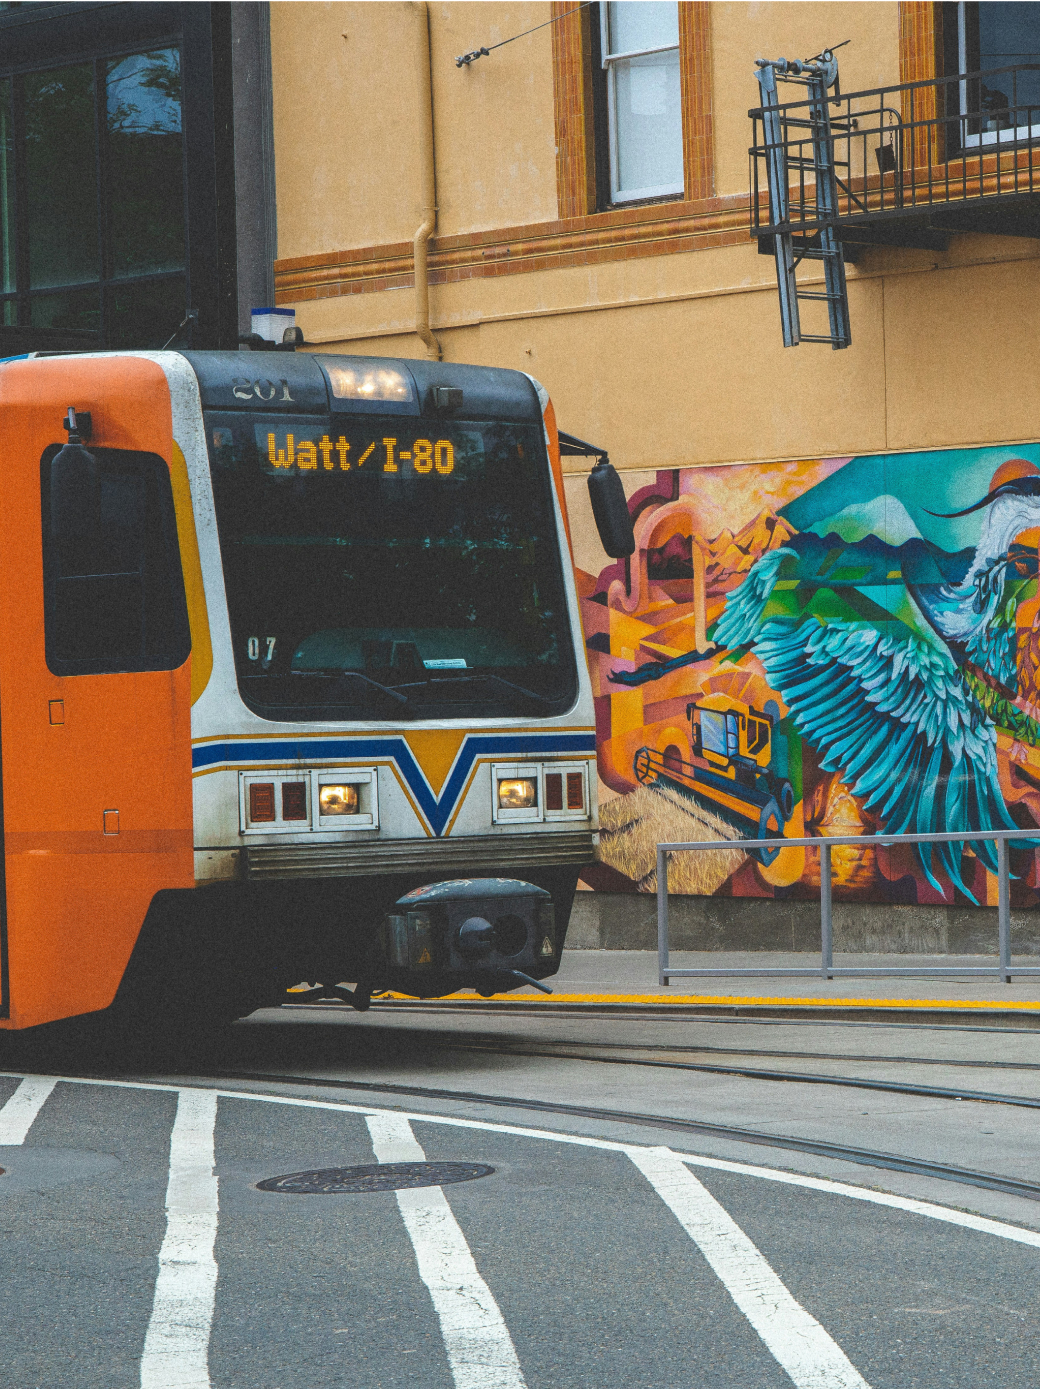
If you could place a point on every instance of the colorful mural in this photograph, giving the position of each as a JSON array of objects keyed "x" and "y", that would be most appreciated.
[{"x": 834, "y": 646}]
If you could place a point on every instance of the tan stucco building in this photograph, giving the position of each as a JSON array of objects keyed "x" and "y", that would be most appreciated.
[{"x": 654, "y": 326}]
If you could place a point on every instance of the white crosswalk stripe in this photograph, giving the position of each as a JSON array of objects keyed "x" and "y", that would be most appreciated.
[
  {"x": 19, "y": 1113},
  {"x": 176, "y": 1348},
  {"x": 479, "y": 1347},
  {"x": 794, "y": 1337},
  {"x": 480, "y": 1350}
]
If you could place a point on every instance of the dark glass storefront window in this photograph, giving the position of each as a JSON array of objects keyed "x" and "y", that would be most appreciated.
[
  {"x": 61, "y": 177},
  {"x": 145, "y": 163},
  {"x": 7, "y": 266},
  {"x": 92, "y": 200}
]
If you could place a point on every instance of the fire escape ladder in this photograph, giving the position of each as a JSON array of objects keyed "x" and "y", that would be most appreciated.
[{"x": 822, "y": 244}]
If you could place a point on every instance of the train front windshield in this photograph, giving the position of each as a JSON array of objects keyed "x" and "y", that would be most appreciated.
[{"x": 391, "y": 567}]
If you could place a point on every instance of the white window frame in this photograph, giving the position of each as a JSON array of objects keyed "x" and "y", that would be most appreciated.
[
  {"x": 1012, "y": 135},
  {"x": 610, "y": 60}
]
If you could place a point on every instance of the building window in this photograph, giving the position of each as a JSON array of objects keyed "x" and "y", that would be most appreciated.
[
  {"x": 92, "y": 199},
  {"x": 633, "y": 123},
  {"x": 1004, "y": 105},
  {"x": 639, "y": 55},
  {"x": 132, "y": 141}
]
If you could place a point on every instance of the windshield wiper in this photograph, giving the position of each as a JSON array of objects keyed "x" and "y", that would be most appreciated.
[
  {"x": 469, "y": 679},
  {"x": 357, "y": 675}
]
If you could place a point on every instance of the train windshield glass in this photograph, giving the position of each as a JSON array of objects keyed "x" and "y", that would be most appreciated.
[{"x": 390, "y": 568}]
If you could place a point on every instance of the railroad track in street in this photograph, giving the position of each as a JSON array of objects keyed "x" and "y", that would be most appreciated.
[
  {"x": 468, "y": 1244},
  {"x": 842, "y": 1152}
]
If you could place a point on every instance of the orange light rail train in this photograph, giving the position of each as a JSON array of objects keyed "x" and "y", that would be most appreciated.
[{"x": 291, "y": 683}]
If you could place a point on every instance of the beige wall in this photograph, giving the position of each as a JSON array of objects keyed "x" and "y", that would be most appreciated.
[
  {"x": 496, "y": 143},
  {"x": 668, "y": 360},
  {"x": 775, "y": 29},
  {"x": 345, "y": 159},
  {"x": 345, "y": 113}
]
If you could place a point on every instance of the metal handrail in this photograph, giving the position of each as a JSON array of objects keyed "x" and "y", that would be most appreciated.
[
  {"x": 828, "y": 970},
  {"x": 940, "y": 151}
]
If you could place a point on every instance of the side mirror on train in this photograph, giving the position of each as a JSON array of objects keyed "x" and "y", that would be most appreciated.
[
  {"x": 75, "y": 490},
  {"x": 610, "y": 508}
]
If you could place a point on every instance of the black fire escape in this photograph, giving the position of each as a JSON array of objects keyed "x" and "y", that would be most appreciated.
[{"x": 908, "y": 165}]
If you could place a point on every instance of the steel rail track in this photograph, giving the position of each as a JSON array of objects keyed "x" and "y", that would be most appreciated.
[
  {"x": 759, "y": 1051},
  {"x": 579, "y": 1053},
  {"x": 863, "y": 1157}
]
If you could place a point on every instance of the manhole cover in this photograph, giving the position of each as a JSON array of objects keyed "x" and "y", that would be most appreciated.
[{"x": 383, "y": 1176}]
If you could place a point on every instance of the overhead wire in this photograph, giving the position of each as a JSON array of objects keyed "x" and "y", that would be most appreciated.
[{"x": 464, "y": 59}]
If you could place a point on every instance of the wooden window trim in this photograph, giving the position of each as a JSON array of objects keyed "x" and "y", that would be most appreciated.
[
  {"x": 921, "y": 58},
  {"x": 920, "y": 40},
  {"x": 573, "y": 107},
  {"x": 695, "y": 76}
]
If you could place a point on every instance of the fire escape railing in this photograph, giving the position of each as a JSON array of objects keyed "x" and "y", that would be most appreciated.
[
  {"x": 903, "y": 149},
  {"x": 907, "y": 164}
]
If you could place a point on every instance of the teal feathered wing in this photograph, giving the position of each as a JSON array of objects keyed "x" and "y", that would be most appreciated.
[
  {"x": 891, "y": 714},
  {"x": 894, "y": 718}
]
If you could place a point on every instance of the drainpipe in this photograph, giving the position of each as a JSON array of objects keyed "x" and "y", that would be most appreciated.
[{"x": 428, "y": 189}]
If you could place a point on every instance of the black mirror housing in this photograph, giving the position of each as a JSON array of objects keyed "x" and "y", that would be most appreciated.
[{"x": 610, "y": 509}]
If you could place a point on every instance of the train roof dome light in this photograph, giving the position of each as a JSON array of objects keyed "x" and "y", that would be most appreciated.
[{"x": 273, "y": 330}]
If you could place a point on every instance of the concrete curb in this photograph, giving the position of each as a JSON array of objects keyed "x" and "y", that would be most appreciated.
[{"x": 957, "y": 1013}]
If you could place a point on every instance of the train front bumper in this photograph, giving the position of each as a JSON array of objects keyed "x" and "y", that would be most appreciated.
[{"x": 490, "y": 934}]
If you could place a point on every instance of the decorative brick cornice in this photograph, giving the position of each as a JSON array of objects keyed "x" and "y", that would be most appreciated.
[{"x": 621, "y": 234}]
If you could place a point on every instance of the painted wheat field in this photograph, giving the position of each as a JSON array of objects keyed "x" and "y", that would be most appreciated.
[{"x": 632, "y": 826}]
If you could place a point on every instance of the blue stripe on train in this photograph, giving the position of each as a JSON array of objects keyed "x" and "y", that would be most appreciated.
[{"x": 437, "y": 809}]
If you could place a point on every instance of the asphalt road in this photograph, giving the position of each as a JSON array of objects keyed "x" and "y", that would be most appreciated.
[{"x": 598, "y": 1252}]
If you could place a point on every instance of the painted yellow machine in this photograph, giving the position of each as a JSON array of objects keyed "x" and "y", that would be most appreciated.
[{"x": 731, "y": 772}]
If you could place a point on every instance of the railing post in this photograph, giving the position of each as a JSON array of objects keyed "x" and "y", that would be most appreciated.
[
  {"x": 826, "y": 937},
  {"x": 1004, "y": 910},
  {"x": 662, "y": 915}
]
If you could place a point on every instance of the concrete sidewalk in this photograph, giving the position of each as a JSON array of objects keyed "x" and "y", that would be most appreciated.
[{"x": 597, "y": 973}]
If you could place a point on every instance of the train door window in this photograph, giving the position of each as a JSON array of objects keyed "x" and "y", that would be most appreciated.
[
  {"x": 713, "y": 732},
  {"x": 113, "y": 590}
]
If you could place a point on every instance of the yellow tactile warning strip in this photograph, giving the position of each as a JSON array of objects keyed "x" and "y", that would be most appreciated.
[{"x": 667, "y": 1000}]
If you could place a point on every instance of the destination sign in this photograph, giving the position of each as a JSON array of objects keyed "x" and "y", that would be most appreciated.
[{"x": 289, "y": 450}]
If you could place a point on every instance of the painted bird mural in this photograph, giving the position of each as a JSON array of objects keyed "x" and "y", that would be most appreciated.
[{"x": 891, "y": 659}]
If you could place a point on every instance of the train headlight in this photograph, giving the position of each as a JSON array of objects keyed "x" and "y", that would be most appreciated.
[
  {"x": 338, "y": 800},
  {"x": 519, "y": 793}
]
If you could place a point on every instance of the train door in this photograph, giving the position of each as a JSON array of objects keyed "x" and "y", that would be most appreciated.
[{"x": 95, "y": 736}]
